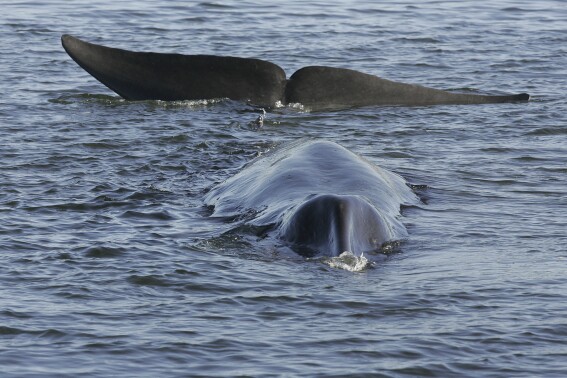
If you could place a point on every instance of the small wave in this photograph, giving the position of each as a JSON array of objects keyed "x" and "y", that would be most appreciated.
[
  {"x": 115, "y": 100},
  {"x": 100, "y": 145},
  {"x": 100, "y": 251},
  {"x": 518, "y": 10},
  {"x": 190, "y": 104},
  {"x": 101, "y": 202},
  {"x": 178, "y": 138},
  {"x": 150, "y": 280},
  {"x": 49, "y": 333},
  {"x": 150, "y": 194},
  {"x": 88, "y": 98},
  {"x": 348, "y": 261},
  {"x": 195, "y": 19},
  {"x": 214, "y": 5},
  {"x": 10, "y": 331},
  {"x": 158, "y": 215},
  {"x": 529, "y": 158},
  {"x": 15, "y": 314},
  {"x": 548, "y": 131},
  {"x": 418, "y": 40},
  {"x": 292, "y": 106},
  {"x": 397, "y": 155}
]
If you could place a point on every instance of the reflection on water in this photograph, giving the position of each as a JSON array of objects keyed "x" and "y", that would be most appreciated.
[{"x": 111, "y": 264}]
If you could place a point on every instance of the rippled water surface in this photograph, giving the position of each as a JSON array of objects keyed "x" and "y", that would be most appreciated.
[{"x": 111, "y": 266}]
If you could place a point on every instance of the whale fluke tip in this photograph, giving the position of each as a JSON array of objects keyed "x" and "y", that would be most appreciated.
[
  {"x": 67, "y": 41},
  {"x": 65, "y": 38}
]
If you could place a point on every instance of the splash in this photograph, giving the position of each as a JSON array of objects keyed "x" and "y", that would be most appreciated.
[
  {"x": 115, "y": 100},
  {"x": 293, "y": 106},
  {"x": 191, "y": 104},
  {"x": 348, "y": 261}
]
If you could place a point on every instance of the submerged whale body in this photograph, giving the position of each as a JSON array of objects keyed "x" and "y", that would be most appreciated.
[
  {"x": 319, "y": 198},
  {"x": 170, "y": 77}
]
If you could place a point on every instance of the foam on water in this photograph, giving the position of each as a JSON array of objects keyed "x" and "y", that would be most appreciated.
[{"x": 348, "y": 261}]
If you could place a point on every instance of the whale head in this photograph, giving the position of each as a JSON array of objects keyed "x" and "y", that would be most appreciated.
[{"x": 330, "y": 224}]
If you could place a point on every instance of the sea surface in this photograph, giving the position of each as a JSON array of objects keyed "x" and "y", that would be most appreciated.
[{"x": 110, "y": 264}]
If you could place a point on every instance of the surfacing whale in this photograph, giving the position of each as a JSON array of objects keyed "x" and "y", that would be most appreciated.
[
  {"x": 317, "y": 198},
  {"x": 171, "y": 77}
]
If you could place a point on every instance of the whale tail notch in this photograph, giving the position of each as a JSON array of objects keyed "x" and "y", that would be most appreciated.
[{"x": 171, "y": 77}]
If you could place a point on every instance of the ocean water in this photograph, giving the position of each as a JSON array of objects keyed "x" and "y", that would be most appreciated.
[{"x": 111, "y": 266}]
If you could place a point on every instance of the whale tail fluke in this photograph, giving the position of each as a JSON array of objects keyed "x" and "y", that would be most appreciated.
[{"x": 170, "y": 77}]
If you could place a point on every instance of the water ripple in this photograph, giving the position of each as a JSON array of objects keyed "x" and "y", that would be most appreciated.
[{"x": 110, "y": 264}]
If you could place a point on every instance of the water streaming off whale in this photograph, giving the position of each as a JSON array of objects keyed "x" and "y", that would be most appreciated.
[{"x": 295, "y": 187}]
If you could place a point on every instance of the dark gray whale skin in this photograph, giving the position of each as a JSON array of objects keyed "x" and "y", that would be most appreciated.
[
  {"x": 317, "y": 198},
  {"x": 170, "y": 77},
  {"x": 331, "y": 224},
  {"x": 328, "y": 87}
]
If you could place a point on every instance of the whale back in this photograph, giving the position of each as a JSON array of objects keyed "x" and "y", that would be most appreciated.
[{"x": 275, "y": 186}]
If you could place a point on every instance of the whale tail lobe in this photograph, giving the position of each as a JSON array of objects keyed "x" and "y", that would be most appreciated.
[
  {"x": 329, "y": 87},
  {"x": 171, "y": 77}
]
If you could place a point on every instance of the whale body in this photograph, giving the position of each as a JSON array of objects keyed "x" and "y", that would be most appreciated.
[
  {"x": 318, "y": 198},
  {"x": 170, "y": 77}
]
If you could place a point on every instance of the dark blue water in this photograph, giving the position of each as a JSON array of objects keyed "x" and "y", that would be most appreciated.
[{"x": 110, "y": 265}]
